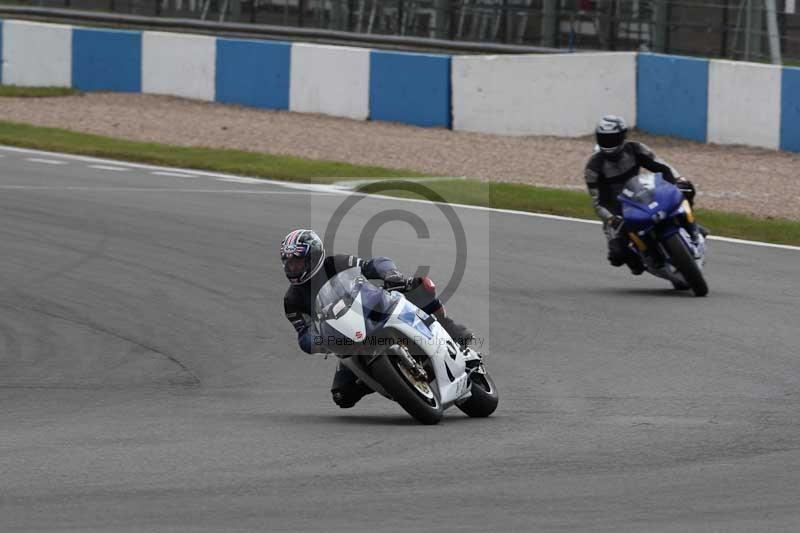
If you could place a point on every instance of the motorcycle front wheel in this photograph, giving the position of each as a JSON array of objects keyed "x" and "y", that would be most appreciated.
[
  {"x": 682, "y": 259},
  {"x": 416, "y": 397},
  {"x": 484, "y": 397}
]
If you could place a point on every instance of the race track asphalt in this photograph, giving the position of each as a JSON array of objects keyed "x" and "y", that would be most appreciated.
[{"x": 149, "y": 381}]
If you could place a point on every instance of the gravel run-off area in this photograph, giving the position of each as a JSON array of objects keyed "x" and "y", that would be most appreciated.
[{"x": 731, "y": 178}]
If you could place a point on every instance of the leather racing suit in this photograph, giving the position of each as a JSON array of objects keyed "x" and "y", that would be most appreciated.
[{"x": 605, "y": 176}]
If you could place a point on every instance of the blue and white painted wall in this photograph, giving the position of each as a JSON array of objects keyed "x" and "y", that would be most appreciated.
[
  {"x": 704, "y": 100},
  {"x": 717, "y": 101},
  {"x": 347, "y": 82}
]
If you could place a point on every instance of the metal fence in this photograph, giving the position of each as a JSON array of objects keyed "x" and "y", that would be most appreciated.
[{"x": 756, "y": 30}]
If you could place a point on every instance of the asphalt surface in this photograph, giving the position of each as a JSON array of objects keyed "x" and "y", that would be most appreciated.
[{"x": 149, "y": 381}]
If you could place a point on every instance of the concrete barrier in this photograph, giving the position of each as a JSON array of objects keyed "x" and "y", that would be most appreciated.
[
  {"x": 106, "y": 60},
  {"x": 36, "y": 54},
  {"x": 179, "y": 64},
  {"x": 333, "y": 80},
  {"x": 253, "y": 73},
  {"x": 561, "y": 94},
  {"x": 410, "y": 88},
  {"x": 744, "y": 104},
  {"x": 672, "y": 96}
]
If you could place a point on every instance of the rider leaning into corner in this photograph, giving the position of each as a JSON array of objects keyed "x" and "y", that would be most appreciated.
[
  {"x": 308, "y": 269},
  {"x": 614, "y": 161}
]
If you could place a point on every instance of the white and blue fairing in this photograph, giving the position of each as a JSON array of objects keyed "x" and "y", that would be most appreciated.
[{"x": 350, "y": 310}]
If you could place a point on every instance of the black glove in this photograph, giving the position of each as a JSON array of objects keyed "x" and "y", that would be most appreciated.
[{"x": 394, "y": 280}]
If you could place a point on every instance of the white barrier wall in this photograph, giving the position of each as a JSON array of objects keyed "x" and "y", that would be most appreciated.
[
  {"x": 333, "y": 80},
  {"x": 744, "y": 103},
  {"x": 562, "y": 94},
  {"x": 37, "y": 54},
  {"x": 179, "y": 64}
]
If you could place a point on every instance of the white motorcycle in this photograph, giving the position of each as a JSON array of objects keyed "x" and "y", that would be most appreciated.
[{"x": 400, "y": 351}]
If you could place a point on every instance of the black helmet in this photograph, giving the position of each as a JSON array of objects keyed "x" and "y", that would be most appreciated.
[
  {"x": 302, "y": 254},
  {"x": 610, "y": 134}
]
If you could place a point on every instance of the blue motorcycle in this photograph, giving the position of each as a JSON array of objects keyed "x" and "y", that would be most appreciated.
[{"x": 656, "y": 215}]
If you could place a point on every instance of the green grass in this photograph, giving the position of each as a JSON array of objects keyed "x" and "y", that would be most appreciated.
[
  {"x": 217, "y": 159},
  {"x": 501, "y": 195},
  {"x": 35, "y": 92},
  {"x": 576, "y": 204}
]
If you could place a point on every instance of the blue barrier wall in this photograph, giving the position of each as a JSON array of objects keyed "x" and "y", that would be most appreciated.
[
  {"x": 106, "y": 60},
  {"x": 253, "y": 73},
  {"x": 790, "y": 109},
  {"x": 410, "y": 88},
  {"x": 672, "y": 96}
]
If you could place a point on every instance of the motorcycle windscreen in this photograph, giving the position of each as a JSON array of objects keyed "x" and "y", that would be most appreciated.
[
  {"x": 377, "y": 305},
  {"x": 343, "y": 287},
  {"x": 641, "y": 189}
]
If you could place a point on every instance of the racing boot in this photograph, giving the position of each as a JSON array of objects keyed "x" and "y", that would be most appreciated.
[
  {"x": 635, "y": 265},
  {"x": 619, "y": 254},
  {"x": 347, "y": 389},
  {"x": 627, "y": 257}
]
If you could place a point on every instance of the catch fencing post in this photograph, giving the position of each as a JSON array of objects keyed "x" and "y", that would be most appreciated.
[
  {"x": 549, "y": 23},
  {"x": 660, "y": 26}
]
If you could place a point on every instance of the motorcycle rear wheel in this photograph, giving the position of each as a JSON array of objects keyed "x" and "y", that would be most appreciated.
[
  {"x": 425, "y": 408},
  {"x": 682, "y": 259}
]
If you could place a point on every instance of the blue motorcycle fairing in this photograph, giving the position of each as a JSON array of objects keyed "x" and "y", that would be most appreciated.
[{"x": 646, "y": 205}]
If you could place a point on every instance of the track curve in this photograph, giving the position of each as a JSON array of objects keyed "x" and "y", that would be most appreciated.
[{"x": 149, "y": 381}]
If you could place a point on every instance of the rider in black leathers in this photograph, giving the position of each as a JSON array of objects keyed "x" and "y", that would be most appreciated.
[
  {"x": 308, "y": 269},
  {"x": 614, "y": 162}
]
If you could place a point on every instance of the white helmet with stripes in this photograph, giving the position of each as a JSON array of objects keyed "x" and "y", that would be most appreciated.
[{"x": 302, "y": 254}]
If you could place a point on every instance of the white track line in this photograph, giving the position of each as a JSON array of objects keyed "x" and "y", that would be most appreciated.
[
  {"x": 153, "y": 189},
  {"x": 45, "y": 161},
  {"x": 318, "y": 188},
  {"x": 173, "y": 174},
  {"x": 108, "y": 167},
  {"x": 755, "y": 243},
  {"x": 251, "y": 181}
]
